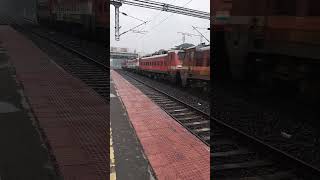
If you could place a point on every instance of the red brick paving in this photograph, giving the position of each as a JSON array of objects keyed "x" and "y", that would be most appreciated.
[
  {"x": 172, "y": 151},
  {"x": 74, "y": 118}
]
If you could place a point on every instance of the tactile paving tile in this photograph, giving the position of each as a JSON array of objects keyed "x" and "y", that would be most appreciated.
[
  {"x": 73, "y": 116},
  {"x": 168, "y": 146}
]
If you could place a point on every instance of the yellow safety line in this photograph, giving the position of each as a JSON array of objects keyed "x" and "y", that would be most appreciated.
[{"x": 112, "y": 160}]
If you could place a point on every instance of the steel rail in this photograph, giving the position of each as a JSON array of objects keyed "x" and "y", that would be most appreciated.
[
  {"x": 179, "y": 101},
  {"x": 244, "y": 136}
]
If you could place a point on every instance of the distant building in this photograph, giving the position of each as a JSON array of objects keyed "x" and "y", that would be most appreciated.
[
  {"x": 118, "y": 55},
  {"x": 119, "y": 49}
]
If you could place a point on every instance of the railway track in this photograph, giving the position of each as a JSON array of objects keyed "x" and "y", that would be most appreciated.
[
  {"x": 235, "y": 154},
  {"x": 91, "y": 70},
  {"x": 196, "y": 121},
  {"x": 232, "y": 158}
]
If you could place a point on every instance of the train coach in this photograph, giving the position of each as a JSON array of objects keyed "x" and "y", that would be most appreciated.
[
  {"x": 131, "y": 65},
  {"x": 180, "y": 66},
  {"x": 89, "y": 18},
  {"x": 272, "y": 43}
]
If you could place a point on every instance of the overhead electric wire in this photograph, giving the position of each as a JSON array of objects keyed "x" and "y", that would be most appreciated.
[
  {"x": 163, "y": 20},
  {"x": 158, "y": 6},
  {"x": 160, "y": 12},
  {"x": 132, "y": 17},
  {"x": 201, "y": 28},
  {"x": 171, "y": 6},
  {"x": 167, "y": 7},
  {"x": 133, "y": 28},
  {"x": 200, "y": 33}
]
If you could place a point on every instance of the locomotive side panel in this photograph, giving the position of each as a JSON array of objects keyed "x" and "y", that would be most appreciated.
[
  {"x": 102, "y": 13},
  {"x": 280, "y": 44},
  {"x": 197, "y": 63},
  {"x": 73, "y": 11},
  {"x": 155, "y": 64},
  {"x": 88, "y": 18}
]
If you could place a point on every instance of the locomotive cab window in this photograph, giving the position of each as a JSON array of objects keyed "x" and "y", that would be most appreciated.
[
  {"x": 199, "y": 58},
  {"x": 181, "y": 55}
]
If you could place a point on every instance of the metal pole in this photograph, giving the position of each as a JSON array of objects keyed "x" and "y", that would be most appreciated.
[
  {"x": 117, "y": 4},
  {"x": 117, "y": 28}
]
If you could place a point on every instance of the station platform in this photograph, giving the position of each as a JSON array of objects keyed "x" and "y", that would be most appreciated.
[
  {"x": 129, "y": 160},
  {"x": 171, "y": 151},
  {"x": 71, "y": 117},
  {"x": 22, "y": 154}
]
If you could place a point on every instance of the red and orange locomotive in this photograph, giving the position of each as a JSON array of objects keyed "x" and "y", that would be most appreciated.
[{"x": 182, "y": 66}]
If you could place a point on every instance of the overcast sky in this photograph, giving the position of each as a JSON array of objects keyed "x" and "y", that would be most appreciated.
[{"x": 160, "y": 35}]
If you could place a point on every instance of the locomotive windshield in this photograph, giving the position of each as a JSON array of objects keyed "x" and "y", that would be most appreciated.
[{"x": 181, "y": 55}]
